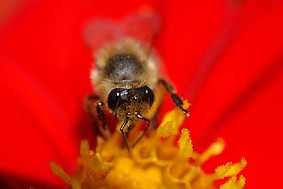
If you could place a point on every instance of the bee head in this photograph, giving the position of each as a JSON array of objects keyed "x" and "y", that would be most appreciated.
[{"x": 123, "y": 101}]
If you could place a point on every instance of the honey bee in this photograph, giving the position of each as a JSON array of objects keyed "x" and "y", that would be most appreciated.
[{"x": 126, "y": 73}]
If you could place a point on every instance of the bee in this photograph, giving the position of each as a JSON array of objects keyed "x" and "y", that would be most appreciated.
[{"x": 126, "y": 74}]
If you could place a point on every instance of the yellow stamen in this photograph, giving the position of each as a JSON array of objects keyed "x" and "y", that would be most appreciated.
[
  {"x": 156, "y": 162},
  {"x": 185, "y": 144}
]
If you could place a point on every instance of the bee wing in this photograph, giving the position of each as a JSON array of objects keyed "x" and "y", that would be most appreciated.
[
  {"x": 100, "y": 32},
  {"x": 142, "y": 26}
]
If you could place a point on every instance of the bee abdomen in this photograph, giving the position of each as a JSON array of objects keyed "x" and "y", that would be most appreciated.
[{"x": 123, "y": 67}]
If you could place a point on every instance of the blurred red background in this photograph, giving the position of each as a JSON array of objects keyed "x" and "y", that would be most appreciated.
[{"x": 226, "y": 57}]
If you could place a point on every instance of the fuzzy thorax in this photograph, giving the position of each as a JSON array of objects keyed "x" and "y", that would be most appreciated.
[{"x": 139, "y": 67}]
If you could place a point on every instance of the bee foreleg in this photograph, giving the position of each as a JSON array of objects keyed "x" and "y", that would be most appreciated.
[
  {"x": 145, "y": 130},
  {"x": 124, "y": 133},
  {"x": 99, "y": 113},
  {"x": 175, "y": 98}
]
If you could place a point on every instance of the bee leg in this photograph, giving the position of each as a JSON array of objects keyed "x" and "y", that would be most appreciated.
[
  {"x": 175, "y": 98},
  {"x": 104, "y": 131},
  {"x": 145, "y": 130},
  {"x": 124, "y": 133},
  {"x": 158, "y": 99}
]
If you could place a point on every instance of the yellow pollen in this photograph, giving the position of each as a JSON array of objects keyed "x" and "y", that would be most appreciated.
[{"x": 155, "y": 162}]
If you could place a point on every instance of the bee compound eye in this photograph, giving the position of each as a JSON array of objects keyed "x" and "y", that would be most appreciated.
[
  {"x": 148, "y": 94},
  {"x": 116, "y": 97}
]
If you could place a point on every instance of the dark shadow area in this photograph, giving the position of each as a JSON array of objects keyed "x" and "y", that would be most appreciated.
[{"x": 13, "y": 182}]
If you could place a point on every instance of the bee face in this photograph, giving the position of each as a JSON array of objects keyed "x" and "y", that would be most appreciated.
[
  {"x": 126, "y": 66},
  {"x": 130, "y": 101},
  {"x": 125, "y": 77}
]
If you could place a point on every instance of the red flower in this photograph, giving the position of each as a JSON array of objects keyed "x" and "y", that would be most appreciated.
[{"x": 224, "y": 56}]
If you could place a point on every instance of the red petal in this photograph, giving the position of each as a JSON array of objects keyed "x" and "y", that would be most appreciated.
[
  {"x": 241, "y": 98},
  {"x": 45, "y": 68}
]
